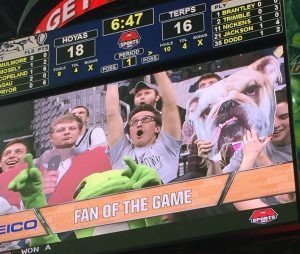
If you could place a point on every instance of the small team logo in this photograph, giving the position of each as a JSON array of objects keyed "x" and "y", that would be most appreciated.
[
  {"x": 263, "y": 216},
  {"x": 129, "y": 39}
]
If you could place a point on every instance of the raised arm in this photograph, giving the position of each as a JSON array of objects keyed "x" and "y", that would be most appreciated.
[
  {"x": 170, "y": 114},
  {"x": 115, "y": 129}
]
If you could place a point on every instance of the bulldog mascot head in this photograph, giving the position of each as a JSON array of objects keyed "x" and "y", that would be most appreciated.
[{"x": 223, "y": 112}]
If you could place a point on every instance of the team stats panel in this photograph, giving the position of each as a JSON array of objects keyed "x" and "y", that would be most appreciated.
[{"x": 133, "y": 40}]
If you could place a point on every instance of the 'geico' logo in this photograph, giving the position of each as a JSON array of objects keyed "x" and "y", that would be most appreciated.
[{"x": 18, "y": 226}]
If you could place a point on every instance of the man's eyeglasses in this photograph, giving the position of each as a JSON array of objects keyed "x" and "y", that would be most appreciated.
[{"x": 145, "y": 119}]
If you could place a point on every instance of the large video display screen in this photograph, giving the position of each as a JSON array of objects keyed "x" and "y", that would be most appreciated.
[
  {"x": 154, "y": 151},
  {"x": 108, "y": 136}
]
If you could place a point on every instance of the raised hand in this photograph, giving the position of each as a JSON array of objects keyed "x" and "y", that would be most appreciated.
[
  {"x": 204, "y": 147},
  {"x": 29, "y": 184},
  {"x": 253, "y": 151},
  {"x": 252, "y": 145},
  {"x": 141, "y": 175}
]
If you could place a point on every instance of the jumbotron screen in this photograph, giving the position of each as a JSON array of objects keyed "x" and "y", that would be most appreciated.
[{"x": 159, "y": 126}]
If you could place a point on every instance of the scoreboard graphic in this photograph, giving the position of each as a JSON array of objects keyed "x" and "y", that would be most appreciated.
[
  {"x": 184, "y": 39},
  {"x": 64, "y": 57}
]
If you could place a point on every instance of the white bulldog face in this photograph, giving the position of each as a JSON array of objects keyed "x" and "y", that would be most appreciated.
[{"x": 224, "y": 111}]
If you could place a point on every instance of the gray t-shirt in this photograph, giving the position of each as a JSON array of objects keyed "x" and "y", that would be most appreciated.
[
  {"x": 277, "y": 154},
  {"x": 163, "y": 155}
]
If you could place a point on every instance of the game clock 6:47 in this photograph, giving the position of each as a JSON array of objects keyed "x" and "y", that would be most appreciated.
[{"x": 127, "y": 22}]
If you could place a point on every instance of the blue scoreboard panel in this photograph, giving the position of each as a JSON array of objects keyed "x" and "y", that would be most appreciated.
[{"x": 135, "y": 40}]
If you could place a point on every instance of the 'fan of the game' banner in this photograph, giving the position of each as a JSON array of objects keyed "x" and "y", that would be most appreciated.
[{"x": 145, "y": 203}]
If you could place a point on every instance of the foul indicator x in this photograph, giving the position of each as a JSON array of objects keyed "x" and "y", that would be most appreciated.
[
  {"x": 90, "y": 67},
  {"x": 200, "y": 42}
]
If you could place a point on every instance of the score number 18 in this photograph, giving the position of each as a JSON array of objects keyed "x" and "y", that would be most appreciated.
[{"x": 74, "y": 52}]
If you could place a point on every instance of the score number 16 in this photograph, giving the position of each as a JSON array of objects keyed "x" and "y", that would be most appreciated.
[{"x": 186, "y": 26}]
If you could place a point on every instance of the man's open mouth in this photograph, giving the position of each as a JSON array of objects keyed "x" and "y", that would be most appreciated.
[{"x": 139, "y": 133}]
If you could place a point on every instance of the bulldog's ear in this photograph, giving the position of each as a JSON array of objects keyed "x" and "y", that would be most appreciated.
[{"x": 270, "y": 68}]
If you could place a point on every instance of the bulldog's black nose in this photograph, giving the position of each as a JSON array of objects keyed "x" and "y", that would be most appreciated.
[{"x": 227, "y": 105}]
